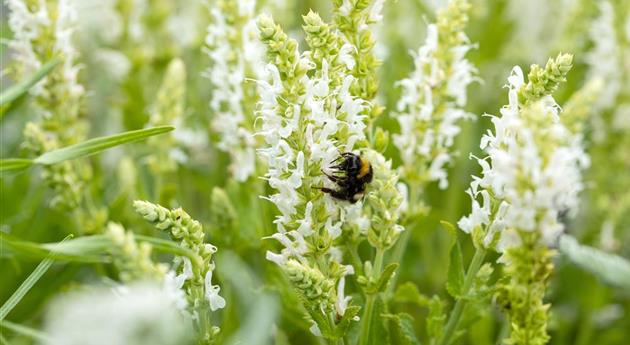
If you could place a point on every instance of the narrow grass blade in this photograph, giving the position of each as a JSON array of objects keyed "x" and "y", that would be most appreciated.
[
  {"x": 26, "y": 285},
  {"x": 93, "y": 146},
  {"x": 26, "y": 331},
  {"x": 23, "y": 86},
  {"x": 613, "y": 269},
  {"x": 13, "y": 165},
  {"x": 82, "y": 249},
  {"x": 3, "y": 341},
  {"x": 87, "y": 248}
]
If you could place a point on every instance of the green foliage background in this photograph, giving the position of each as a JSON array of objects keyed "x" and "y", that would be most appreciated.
[{"x": 585, "y": 309}]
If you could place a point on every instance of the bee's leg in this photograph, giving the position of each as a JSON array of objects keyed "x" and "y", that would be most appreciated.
[
  {"x": 336, "y": 194},
  {"x": 341, "y": 156},
  {"x": 332, "y": 177},
  {"x": 340, "y": 180}
]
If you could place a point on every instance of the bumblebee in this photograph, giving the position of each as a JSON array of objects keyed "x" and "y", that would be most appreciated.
[{"x": 351, "y": 175}]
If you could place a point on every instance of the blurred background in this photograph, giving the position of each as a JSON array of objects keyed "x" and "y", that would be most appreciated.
[{"x": 124, "y": 50}]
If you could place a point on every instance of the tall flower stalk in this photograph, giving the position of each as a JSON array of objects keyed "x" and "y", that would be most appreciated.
[
  {"x": 236, "y": 57},
  {"x": 607, "y": 60},
  {"x": 168, "y": 109},
  {"x": 433, "y": 99},
  {"x": 43, "y": 31},
  {"x": 312, "y": 110},
  {"x": 530, "y": 176},
  {"x": 431, "y": 105},
  {"x": 194, "y": 274}
]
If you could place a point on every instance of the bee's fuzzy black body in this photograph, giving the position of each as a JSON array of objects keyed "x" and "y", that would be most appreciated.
[{"x": 351, "y": 175}]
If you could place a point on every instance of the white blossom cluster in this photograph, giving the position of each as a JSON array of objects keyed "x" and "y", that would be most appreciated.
[
  {"x": 30, "y": 25},
  {"x": 531, "y": 174},
  {"x": 236, "y": 57},
  {"x": 432, "y": 101},
  {"x": 605, "y": 62},
  {"x": 304, "y": 132},
  {"x": 302, "y": 145}
]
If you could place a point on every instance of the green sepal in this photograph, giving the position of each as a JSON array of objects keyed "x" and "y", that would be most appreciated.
[
  {"x": 455, "y": 280},
  {"x": 408, "y": 293},
  {"x": 380, "y": 285},
  {"x": 347, "y": 320},
  {"x": 402, "y": 332}
]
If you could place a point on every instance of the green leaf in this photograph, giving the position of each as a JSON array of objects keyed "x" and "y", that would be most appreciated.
[
  {"x": 13, "y": 165},
  {"x": 612, "y": 269},
  {"x": 93, "y": 146},
  {"x": 26, "y": 331},
  {"x": 455, "y": 281},
  {"x": 82, "y": 249},
  {"x": 436, "y": 318},
  {"x": 23, "y": 86},
  {"x": 26, "y": 285},
  {"x": 387, "y": 274},
  {"x": 94, "y": 248},
  {"x": 403, "y": 329},
  {"x": 321, "y": 320},
  {"x": 451, "y": 229},
  {"x": 408, "y": 293},
  {"x": 379, "y": 332}
]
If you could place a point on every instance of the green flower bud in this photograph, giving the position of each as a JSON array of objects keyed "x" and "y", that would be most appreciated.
[
  {"x": 133, "y": 260},
  {"x": 222, "y": 213},
  {"x": 542, "y": 82},
  {"x": 312, "y": 285},
  {"x": 381, "y": 140}
]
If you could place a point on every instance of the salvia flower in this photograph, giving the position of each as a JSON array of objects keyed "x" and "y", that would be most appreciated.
[
  {"x": 609, "y": 33},
  {"x": 531, "y": 177},
  {"x": 532, "y": 171},
  {"x": 353, "y": 19},
  {"x": 133, "y": 259},
  {"x": 311, "y": 111},
  {"x": 236, "y": 57},
  {"x": 168, "y": 110},
  {"x": 196, "y": 272},
  {"x": 43, "y": 31},
  {"x": 605, "y": 58},
  {"x": 433, "y": 98}
]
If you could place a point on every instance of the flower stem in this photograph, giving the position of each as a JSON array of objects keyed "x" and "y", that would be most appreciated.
[
  {"x": 401, "y": 245},
  {"x": 371, "y": 298},
  {"x": 456, "y": 314}
]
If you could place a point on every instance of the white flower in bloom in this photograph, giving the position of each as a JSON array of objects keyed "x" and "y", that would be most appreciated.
[
  {"x": 236, "y": 55},
  {"x": 286, "y": 166},
  {"x": 375, "y": 11},
  {"x": 427, "y": 130},
  {"x": 26, "y": 27},
  {"x": 212, "y": 292},
  {"x": 135, "y": 314},
  {"x": 342, "y": 301},
  {"x": 532, "y": 172},
  {"x": 604, "y": 59},
  {"x": 30, "y": 24},
  {"x": 172, "y": 286}
]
